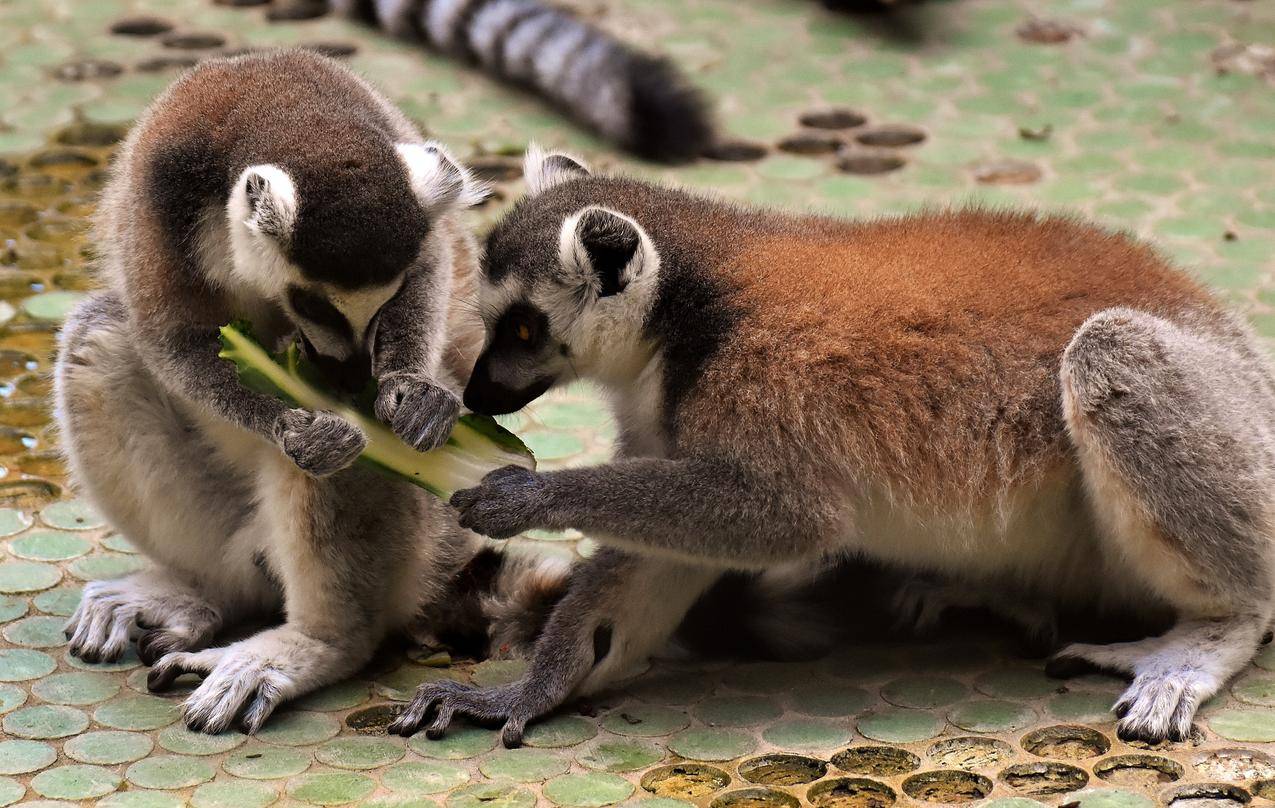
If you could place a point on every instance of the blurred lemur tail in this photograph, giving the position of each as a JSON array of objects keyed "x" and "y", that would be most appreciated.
[{"x": 639, "y": 100}]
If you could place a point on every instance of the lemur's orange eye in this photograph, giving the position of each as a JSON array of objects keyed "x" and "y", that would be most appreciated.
[{"x": 524, "y": 332}]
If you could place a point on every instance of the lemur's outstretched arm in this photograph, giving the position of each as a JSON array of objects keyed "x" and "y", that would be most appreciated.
[
  {"x": 410, "y": 337},
  {"x": 691, "y": 509}
]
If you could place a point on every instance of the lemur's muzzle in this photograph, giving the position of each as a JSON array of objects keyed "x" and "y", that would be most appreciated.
[
  {"x": 486, "y": 396},
  {"x": 349, "y": 375}
]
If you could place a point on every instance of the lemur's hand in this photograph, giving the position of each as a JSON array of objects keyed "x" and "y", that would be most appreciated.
[
  {"x": 507, "y": 502},
  {"x": 417, "y": 408},
  {"x": 320, "y": 443}
]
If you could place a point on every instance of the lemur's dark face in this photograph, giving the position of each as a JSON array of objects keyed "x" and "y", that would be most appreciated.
[
  {"x": 520, "y": 361},
  {"x": 332, "y": 245},
  {"x": 565, "y": 290}
]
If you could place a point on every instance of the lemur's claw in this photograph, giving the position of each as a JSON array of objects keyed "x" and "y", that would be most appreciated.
[
  {"x": 507, "y": 502},
  {"x": 419, "y": 410}
]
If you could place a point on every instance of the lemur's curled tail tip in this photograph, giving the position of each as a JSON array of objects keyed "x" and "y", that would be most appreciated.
[{"x": 637, "y": 99}]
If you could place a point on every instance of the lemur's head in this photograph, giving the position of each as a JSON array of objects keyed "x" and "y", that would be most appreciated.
[
  {"x": 332, "y": 238},
  {"x": 566, "y": 287}
]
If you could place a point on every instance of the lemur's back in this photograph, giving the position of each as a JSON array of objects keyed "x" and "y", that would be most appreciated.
[
  {"x": 325, "y": 127},
  {"x": 907, "y": 337}
]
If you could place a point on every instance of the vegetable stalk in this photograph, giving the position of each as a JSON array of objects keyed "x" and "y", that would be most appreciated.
[{"x": 476, "y": 446}]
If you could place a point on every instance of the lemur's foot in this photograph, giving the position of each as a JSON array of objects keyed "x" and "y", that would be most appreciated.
[
  {"x": 448, "y": 699},
  {"x": 170, "y": 617},
  {"x": 1162, "y": 698},
  {"x": 247, "y": 680},
  {"x": 508, "y": 501},
  {"x": 1172, "y": 674}
]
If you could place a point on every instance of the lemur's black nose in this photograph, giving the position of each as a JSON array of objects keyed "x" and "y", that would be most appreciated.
[
  {"x": 485, "y": 396},
  {"x": 348, "y": 375}
]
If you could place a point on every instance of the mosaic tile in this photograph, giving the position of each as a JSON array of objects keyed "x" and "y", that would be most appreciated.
[{"x": 1127, "y": 122}]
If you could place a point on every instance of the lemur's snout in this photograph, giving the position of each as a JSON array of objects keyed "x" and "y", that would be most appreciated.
[
  {"x": 486, "y": 396},
  {"x": 349, "y": 374}
]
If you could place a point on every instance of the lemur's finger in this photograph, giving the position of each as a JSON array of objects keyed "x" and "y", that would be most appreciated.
[
  {"x": 446, "y": 711},
  {"x": 465, "y": 498}
]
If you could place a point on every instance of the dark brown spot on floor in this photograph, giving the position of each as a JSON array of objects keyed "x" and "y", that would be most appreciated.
[
  {"x": 87, "y": 69},
  {"x": 141, "y": 26},
  {"x": 193, "y": 40},
  {"x": 288, "y": 10},
  {"x": 890, "y": 135},
  {"x": 1006, "y": 172},
  {"x": 736, "y": 151},
  {"x": 158, "y": 64},
  {"x": 1043, "y": 31},
  {"x": 812, "y": 142},
  {"x": 833, "y": 118},
  {"x": 857, "y": 162}
]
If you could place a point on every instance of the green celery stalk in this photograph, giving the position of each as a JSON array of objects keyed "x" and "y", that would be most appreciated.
[{"x": 476, "y": 446}]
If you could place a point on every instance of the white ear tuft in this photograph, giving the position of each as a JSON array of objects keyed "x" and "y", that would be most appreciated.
[
  {"x": 604, "y": 251},
  {"x": 543, "y": 170},
  {"x": 438, "y": 180},
  {"x": 270, "y": 200}
]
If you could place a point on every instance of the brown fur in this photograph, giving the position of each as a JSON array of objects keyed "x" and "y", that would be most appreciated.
[{"x": 880, "y": 331}]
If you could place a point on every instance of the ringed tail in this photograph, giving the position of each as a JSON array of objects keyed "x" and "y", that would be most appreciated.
[{"x": 637, "y": 99}]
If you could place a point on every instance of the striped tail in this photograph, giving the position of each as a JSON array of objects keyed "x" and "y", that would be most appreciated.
[{"x": 639, "y": 100}]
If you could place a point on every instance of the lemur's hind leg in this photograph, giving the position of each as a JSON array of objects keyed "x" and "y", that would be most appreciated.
[
  {"x": 137, "y": 456},
  {"x": 1173, "y": 434},
  {"x": 350, "y": 552},
  {"x": 618, "y": 609}
]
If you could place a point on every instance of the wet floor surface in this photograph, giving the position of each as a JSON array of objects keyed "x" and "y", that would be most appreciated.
[{"x": 1151, "y": 116}]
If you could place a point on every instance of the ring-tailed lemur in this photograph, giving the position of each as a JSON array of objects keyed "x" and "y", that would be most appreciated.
[
  {"x": 994, "y": 396},
  {"x": 282, "y": 189},
  {"x": 636, "y": 99}
]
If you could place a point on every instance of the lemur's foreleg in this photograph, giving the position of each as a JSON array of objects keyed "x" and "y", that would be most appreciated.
[
  {"x": 617, "y": 610},
  {"x": 697, "y": 511}
]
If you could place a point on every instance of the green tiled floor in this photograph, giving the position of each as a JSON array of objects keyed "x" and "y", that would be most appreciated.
[{"x": 1143, "y": 116}]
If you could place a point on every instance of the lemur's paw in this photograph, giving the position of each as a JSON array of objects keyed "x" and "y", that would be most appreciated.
[
  {"x": 103, "y": 623},
  {"x": 1160, "y": 705},
  {"x": 448, "y": 699},
  {"x": 320, "y": 443},
  {"x": 507, "y": 502},
  {"x": 239, "y": 685},
  {"x": 419, "y": 410}
]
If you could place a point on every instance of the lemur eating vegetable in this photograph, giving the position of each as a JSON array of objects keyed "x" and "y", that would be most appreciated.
[
  {"x": 280, "y": 189},
  {"x": 995, "y": 397}
]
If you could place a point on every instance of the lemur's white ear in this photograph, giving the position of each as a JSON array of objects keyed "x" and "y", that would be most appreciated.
[
  {"x": 438, "y": 180},
  {"x": 604, "y": 251},
  {"x": 543, "y": 170},
  {"x": 271, "y": 200}
]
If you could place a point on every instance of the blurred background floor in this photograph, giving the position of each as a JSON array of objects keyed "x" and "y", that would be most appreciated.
[{"x": 1158, "y": 117}]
